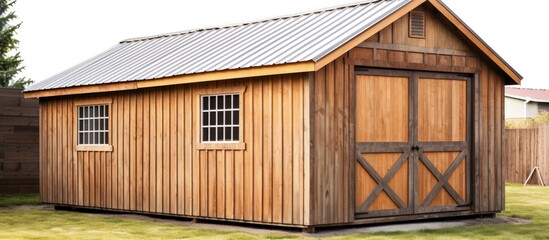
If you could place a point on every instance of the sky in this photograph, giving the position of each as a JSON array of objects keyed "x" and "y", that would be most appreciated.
[{"x": 58, "y": 34}]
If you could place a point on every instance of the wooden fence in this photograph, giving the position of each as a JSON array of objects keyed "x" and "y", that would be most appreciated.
[
  {"x": 525, "y": 149},
  {"x": 18, "y": 142}
]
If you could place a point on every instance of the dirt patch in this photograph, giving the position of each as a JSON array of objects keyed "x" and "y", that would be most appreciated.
[{"x": 497, "y": 220}]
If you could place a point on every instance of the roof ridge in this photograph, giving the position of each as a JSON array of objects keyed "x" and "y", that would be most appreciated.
[{"x": 327, "y": 9}]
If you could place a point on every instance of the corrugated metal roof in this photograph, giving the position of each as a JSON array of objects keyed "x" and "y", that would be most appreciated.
[{"x": 292, "y": 39}]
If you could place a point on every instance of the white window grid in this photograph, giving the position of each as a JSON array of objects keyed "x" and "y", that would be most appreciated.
[
  {"x": 93, "y": 125},
  {"x": 220, "y": 118}
]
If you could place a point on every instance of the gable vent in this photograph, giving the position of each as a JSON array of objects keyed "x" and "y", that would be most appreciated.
[{"x": 417, "y": 24}]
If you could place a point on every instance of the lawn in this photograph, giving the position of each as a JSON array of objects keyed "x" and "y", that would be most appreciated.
[
  {"x": 526, "y": 202},
  {"x": 14, "y": 199}
]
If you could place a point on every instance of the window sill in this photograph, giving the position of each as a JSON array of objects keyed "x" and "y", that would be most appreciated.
[
  {"x": 96, "y": 148},
  {"x": 221, "y": 146}
]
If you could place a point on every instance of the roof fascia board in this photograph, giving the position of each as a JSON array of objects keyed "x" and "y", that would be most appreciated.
[
  {"x": 111, "y": 87},
  {"x": 476, "y": 40},
  {"x": 368, "y": 33},
  {"x": 182, "y": 79}
]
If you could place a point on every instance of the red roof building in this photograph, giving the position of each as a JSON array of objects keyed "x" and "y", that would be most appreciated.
[{"x": 525, "y": 102}]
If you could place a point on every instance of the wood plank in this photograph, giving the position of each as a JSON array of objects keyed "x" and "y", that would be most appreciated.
[
  {"x": 484, "y": 88},
  {"x": 127, "y": 155},
  {"x": 63, "y": 152},
  {"x": 268, "y": 150},
  {"x": 196, "y": 159},
  {"x": 297, "y": 148},
  {"x": 190, "y": 171},
  {"x": 340, "y": 158},
  {"x": 180, "y": 148},
  {"x": 220, "y": 183},
  {"x": 153, "y": 139},
  {"x": 72, "y": 141},
  {"x": 329, "y": 162},
  {"x": 248, "y": 133},
  {"x": 319, "y": 143},
  {"x": 139, "y": 152},
  {"x": 57, "y": 153},
  {"x": 159, "y": 151},
  {"x": 350, "y": 123},
  {"x": 308, "y": 157},
  {"x": 496, "y": 125},
  {"x": 96, "y": 156},
  {"x": 172, "y": 133},
  {"x": 211, "y": 178},
  {"x": 146, "y": 167},
  {"x": 239, "y": 185},
  {"x": 132, "y": 160},
  {"x": 257, "y": 113},
  {"x": 491, "y": 125},
  {"x": 113, "y": 161},
  {"x": 202, "y": 188},
  {"x": 86, "y": 180},
  {"x": 51, "y": 144},
  {"x": 42, "y": 151},
  {"x": 229, "y": 184},
  {"x": 166, "y": 165},
  {"x": 277, "y": 150},
  {"x": 287, "y": 149}
]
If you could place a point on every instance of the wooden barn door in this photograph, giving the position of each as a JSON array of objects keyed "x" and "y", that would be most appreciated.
[
  {"x": 383, "y": 146},
  {"x": 442, "y": 143},
  {"x": 412, "y": 148}
]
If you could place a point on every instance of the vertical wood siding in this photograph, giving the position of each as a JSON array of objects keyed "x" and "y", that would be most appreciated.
[
  {"x": 155, "y": 167},
  {"x": 332, "y": 145}
]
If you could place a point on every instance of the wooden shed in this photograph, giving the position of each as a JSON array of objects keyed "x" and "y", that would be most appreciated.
[{"x": 373, "y": 112}]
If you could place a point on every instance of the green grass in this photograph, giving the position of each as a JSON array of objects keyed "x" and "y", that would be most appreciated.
[
  {"x": 527, "y": 202},
  {"x": 17, "y": 199}
]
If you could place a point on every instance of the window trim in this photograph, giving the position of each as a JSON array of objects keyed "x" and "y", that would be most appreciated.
[
  {"x": 240, "y": 145},
  {"x": 90, "y": 102}
]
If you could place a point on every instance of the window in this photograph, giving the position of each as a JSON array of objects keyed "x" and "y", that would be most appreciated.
[
  {"x": 220, "y": 118},
  {"x": 93, "y": 125}
]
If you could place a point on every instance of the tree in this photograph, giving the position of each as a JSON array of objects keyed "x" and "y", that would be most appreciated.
[{"x": 10, "y": 59}]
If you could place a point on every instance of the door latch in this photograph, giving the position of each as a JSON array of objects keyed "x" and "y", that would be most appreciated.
[{"x": 415, "y": 148}]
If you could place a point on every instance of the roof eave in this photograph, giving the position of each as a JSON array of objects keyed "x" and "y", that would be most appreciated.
[{"x": 287, "y": 68}]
